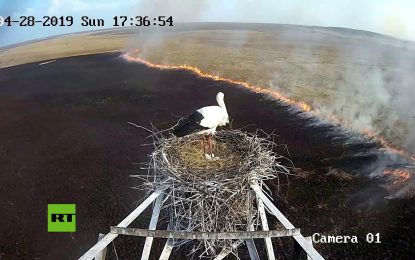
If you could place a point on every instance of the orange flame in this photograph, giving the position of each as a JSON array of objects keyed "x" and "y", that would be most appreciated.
[
  {"x": 400, "y": 176},
  {"x": 133, "y": 56},
  {"x": 388, "y": 145},
  {"x": 300, "y": 105}
]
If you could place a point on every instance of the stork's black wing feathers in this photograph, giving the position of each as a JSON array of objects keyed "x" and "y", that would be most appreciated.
[{"x": 189, "y": 125}]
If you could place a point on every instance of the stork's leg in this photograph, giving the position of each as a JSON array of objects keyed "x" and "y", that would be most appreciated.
[
  {"x": 204, "y": 145},
  {"x": 207, "y": 153},
  {"x": 210, "y": 145}
]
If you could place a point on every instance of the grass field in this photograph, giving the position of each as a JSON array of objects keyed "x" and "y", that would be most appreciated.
[{"x": 355, "y": 76}]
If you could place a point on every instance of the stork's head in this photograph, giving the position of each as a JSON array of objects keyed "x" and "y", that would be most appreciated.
[
  {"x": 221, "y": 102},
  {"x": 220, "y": 99},
  {"x": 220, "y": 96}
]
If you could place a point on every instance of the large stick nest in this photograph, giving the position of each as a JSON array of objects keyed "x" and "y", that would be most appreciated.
[{"x": 212, "y": 195}]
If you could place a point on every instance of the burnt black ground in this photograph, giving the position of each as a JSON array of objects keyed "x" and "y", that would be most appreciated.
[{"x": 64, "y": 138}]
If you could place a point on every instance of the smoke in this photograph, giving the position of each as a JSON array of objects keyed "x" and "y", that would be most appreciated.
[
  {"x": 376, "y": 95},
  {"x": 364, "y": 80}
]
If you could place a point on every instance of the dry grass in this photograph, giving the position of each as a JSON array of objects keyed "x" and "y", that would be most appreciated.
[
  {"x": 340, "y": 174},
  {"x": 228, "y": 156},
  {"x": 60, "y": 47}
]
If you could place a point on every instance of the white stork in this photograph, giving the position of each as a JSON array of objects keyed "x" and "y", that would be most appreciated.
[{"x": 204, "y": 121}]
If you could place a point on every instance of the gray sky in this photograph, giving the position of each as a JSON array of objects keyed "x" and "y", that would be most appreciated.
[{"x": 395, "y": 18}]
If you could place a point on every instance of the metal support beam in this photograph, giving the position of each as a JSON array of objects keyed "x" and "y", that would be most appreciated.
[
  {"x": 311, "y": 252},
  {"x": 264, "y": 223},
  {"x": 168, "y": 247},
  {"x": 253, "y": 253},
  {"x": 250, "y": 244},
  {"x": 310, "y": 241},
  {"x": 153, "y": 224},
  {"x": 99, "y": 246},
  {"x": 103, "y": 254},
  {"x": 204, "y": 235}
]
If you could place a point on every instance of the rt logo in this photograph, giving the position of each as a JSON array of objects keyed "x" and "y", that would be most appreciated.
[{"x": 61, "y": 217}]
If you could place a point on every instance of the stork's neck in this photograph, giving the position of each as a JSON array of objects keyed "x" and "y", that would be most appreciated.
[{"x": 221, "y": 103}]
